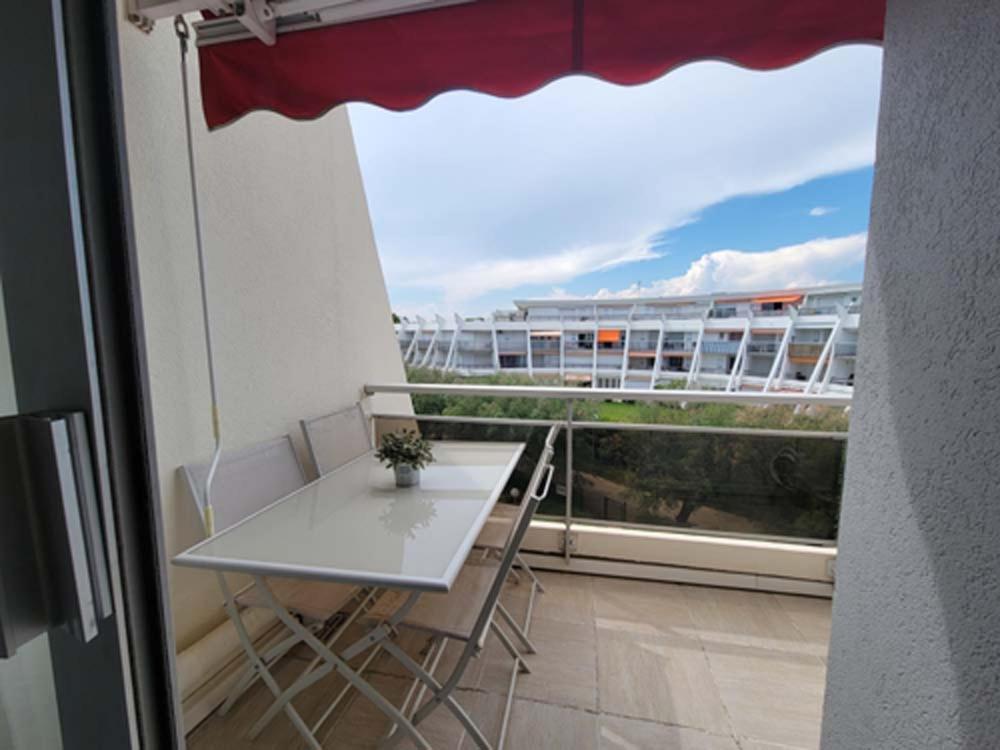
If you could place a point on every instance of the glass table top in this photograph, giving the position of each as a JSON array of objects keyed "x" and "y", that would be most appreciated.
[{"x": 354, "y": 525}]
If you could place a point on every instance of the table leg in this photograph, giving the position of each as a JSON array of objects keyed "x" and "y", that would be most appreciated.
[
  {"x": 258, "y": 664},
  {"x": 311, "y": 674},
  {"x": 340, "y": 666}
]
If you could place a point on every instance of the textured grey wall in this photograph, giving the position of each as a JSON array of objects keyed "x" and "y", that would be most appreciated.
[{"x": 915, "y": 655}]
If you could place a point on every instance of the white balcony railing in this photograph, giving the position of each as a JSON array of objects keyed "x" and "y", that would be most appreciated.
[
  {"x": 720, "y": 347},
  {"x": 819, "y": 310},
  {"x": 613, "y": 476},
  {"x": 678, "y": 346}
]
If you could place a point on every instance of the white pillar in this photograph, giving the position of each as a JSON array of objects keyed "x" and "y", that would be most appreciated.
[
  {"x": 738, "y": 362},
  {"x": 628, "y": 336},
  {"x": 659, "y": 356},
  {"x": 413, "y": 344},
  {"x": 562, "y": 350},
  {"x": 431, "y": 345},
  {"x": 696, "y": 355},
  {"x": 496, "y": 347},
  {"x": 453, "y": 349},
  {"x": 527, "y": 334},
  {"x": 775, "y": 376},
  {"x": 824, "y": 356},
  {"x": 593, "y": 366}
]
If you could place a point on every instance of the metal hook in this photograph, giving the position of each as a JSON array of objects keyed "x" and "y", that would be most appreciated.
[{"x": 182, "y": 31}]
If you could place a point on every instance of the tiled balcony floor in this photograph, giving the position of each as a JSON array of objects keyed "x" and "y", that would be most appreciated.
[{"x": 621, "y": 664}]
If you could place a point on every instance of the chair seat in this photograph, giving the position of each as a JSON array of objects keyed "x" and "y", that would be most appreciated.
[
  {"x": 452, "y": 614},
  {"x": 314, "y": 600},
  {"x": 497, "y": 527}
]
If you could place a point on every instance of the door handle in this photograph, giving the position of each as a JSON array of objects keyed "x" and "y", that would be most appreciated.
[{"x": 53, "y": 565}]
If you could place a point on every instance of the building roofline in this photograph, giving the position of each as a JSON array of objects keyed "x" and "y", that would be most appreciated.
[{"x": 567, "y": 301}]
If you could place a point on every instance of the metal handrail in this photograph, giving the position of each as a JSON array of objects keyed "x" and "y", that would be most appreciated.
[
  {"x": 636, "y": 426},
  {"x": 706, "y": 430},
  {"x": 563, "y": 393}
]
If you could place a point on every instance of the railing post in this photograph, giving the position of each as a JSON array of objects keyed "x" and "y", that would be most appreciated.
[{"x": 569, "y": 480}]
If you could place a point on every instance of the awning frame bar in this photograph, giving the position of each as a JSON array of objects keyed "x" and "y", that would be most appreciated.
[{"x": 267, "y": 19}]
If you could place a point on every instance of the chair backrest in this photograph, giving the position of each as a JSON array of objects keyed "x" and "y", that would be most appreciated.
[
  {"x": 536, "y": 492},
  {"x": 247, "y": 480},
  {"x": 335, "y": 439}
]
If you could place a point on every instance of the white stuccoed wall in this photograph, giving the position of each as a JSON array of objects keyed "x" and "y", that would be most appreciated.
[
  {"x": 301, "y": 319},
  {"x": 915, "y": 653}
]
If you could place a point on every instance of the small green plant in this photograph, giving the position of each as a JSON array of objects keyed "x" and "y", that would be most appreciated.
[{"x": 405, "y": 448}]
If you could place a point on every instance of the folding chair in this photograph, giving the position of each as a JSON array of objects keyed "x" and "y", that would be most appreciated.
[
  {"x": 245, "y": 482},
  {"x": 334, "y": 439},
  {"x": 492, "y": 540},
  {"x": 465, "y": 614}
]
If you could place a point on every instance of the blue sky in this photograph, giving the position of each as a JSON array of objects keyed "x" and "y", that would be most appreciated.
[{"x": 713, "y": 177}]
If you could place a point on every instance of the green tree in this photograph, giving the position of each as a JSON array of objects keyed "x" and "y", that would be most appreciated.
[{"x": 690, "y": 474}]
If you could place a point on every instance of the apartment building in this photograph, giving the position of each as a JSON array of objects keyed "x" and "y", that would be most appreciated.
[{"x": 793, "y": 339}]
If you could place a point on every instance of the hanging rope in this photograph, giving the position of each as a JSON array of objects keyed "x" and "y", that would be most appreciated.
[{"x": 183, "y": 35}]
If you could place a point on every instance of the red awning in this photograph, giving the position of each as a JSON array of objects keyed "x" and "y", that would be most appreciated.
[{"x": 511, "y": 47}]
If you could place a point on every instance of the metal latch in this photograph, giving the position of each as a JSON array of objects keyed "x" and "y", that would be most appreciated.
[{"x": 568, "y": 542}]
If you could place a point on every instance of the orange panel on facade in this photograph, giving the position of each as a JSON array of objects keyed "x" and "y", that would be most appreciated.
[
  {"x": 779, "y": 298},
  {"x": 609, "y": 336}
]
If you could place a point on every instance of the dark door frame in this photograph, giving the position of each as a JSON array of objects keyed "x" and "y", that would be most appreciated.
[{"x": 74, "y": 310}]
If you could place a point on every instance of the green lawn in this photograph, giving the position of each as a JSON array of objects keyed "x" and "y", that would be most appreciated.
[{"x": 613, "y": 411}]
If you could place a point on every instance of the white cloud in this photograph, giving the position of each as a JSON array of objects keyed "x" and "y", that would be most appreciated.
[
  {"x": 810, "y": 263},
  {"x": 822, "y": 210},
  {"x": 468, "y": 281},
  {"x": 471, "y": 185}
]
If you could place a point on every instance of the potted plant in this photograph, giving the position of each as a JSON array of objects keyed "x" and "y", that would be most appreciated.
[{"x": 406, "y": 452}]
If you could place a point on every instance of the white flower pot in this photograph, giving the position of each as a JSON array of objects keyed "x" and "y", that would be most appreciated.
[{"x": 407, "y": 476}]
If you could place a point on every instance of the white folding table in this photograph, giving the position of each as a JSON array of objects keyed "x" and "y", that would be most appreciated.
[{"x": 355, "y": 526}]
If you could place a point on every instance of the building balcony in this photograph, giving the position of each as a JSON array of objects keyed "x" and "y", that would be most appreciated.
[
  {"x": 649, "y": 662},
  {"x": 758, "y": 313},
  {"x": 544, "y": 316},
  {"x": 720, "y": 347},
  {"x": 677, "y": 346},
  {"x": 722, "y": 313},
  {"x": 613, "y": 314},
  {"x": 845, "y": 349},
  {"x": 763, "y": 347},
  {"x": 620, "y": 664},
  {"x": 805, "y": 352},
  {"x": 545, "y": 361},
  {"x": 819, "y": 310},
  {"x": 643, "y": 632}
]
